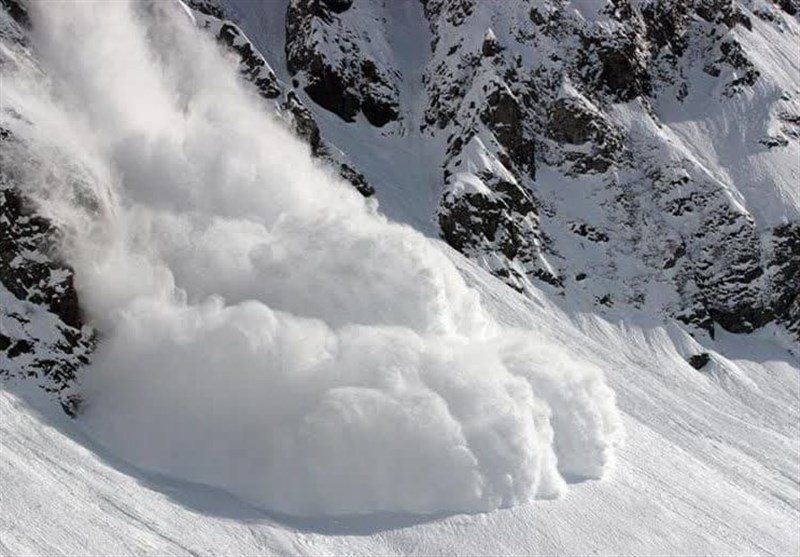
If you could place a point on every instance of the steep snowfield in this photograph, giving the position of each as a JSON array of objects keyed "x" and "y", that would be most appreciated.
[{"x": 711, "y": 464}]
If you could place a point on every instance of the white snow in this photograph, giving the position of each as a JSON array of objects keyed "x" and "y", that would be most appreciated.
[{"x": 708, "y": 467}]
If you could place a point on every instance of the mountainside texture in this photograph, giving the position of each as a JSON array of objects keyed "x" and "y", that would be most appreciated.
[
  {"x": 379, "y": 276},
  {"x": 42, "y": 334},
  {"x": 627, "y": 154}
]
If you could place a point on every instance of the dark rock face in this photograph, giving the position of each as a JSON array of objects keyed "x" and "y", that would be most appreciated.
[
  {"x": 458, "y": 225},
  {"x": 251, "y": 64},
  {"x": 207, "y": 7},
  {"x": 255, "y": 69},
  {"x": 22, "y": 233},
  {"x": 338, "y": 74},
  {"x": 725, "y": 12},
  {"x": 502, "y": 222},
  {"x": 356, "y": 179},
  {"x": 572, "y": 122},
  {"x": 791, "y": 7},
  {"x": 336, "y": 6},
  {"x": 42, "y": 331},
  {"x": 732, "y": 55},
  {"x": 699, "y": 361},
  {"x": 303, "y": 122},
  {"x": 666, "y": 26},
  {"x": 784, "y": 266},
  {"x": 715, "y": 262},
  {"x": 17, "y": 10},
  {"x": 504, "y": 116},
  {"x": 621, "y": 66},
  {"x": 328, "y": 89}
]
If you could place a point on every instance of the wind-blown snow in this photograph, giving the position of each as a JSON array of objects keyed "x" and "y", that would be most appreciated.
[{"x": 265, "y": 330}]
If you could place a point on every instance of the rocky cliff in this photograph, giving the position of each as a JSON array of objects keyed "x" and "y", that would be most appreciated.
[{"x": 632, "y": 154}]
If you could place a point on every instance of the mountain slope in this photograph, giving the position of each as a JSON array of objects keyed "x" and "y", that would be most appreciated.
[
  {"x": 256, "y": 360},
  {"x": 710, "y": 466},
  {"x": 635, "y": 155}
]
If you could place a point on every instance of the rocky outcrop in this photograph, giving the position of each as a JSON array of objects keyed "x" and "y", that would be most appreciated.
[
  {"x": 574, "y": 122},
  {"x": 43, "y": 337},
  {"x": 17, "y": 11},
  {"x": 504, "y": 116},
  {"x": 548, "y": 86},
  {"x": 328, "y": 56},
  {"x": 283, "y": 100},
  {"x": 251, "y": 63},
  {"x": 783, "y": 269},
  {"x": 42, "y": 333},
  {"x": 486, "y": 214}
]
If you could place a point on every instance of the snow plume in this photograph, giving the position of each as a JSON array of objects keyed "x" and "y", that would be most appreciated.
[{"x": 264, "y": 329}]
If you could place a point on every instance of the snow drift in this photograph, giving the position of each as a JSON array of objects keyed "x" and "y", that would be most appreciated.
[{"x": 265, "y": 330}]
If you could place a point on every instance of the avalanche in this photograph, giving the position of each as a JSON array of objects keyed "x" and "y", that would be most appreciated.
[{"x": 263, "y": 328}]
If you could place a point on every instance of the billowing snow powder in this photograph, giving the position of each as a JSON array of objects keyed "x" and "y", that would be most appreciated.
[{"x": 264, "y": 329}]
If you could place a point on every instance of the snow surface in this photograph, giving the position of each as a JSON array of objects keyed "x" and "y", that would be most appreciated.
[{"x": 710, "y": 466}]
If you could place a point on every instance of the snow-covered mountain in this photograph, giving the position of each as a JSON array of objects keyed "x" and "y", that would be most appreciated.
[
  {"x": 631, "y": 154},
  {"x": 618, "y": 186}
]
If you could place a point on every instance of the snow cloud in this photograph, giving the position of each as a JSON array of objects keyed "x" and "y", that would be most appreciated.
[{"x": 264, "y": 328}]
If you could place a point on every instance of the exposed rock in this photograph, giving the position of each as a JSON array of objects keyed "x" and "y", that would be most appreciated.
[
  {"x": 572, "y": 122},
  {"x": 338, "y": 74},
  {"x": 303, "y": 122},
  {"x": 726, "y": 12},
  {"x": 623, "y": 69},
  {"x": 791, "y": 7},
  {"x": 489, "y": 216},
  {"x": 784, "y": 266},
  {"x": 17, "y": 10},
  {"x": 254, "y": 68},
  {"x": 42, "y": 332},
  {"x": 207, "y": 7},
  {"x": 504, "y": 116},
  {"x": 490, "y": 46},
  {"x": 699, "y": 361},
  {"x": 251, "y": 64},
  {"x": 357, "y": 179},
  {"x": 337, "y": 6}
]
